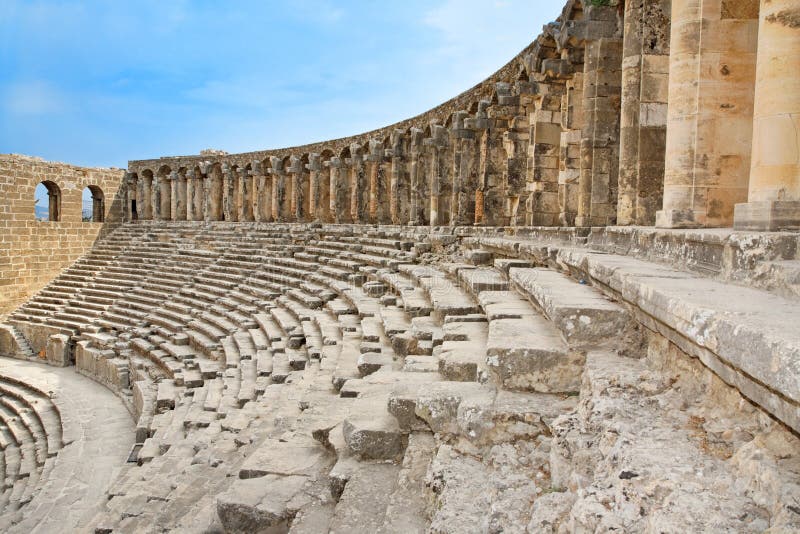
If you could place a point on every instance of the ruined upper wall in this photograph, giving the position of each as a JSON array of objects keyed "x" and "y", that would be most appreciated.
[
  {"x": 519, "y": 69},
  {"x": 33, "y": 252}
]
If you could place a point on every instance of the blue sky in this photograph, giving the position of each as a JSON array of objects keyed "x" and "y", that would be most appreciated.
[{"x": 99, "y": 83}]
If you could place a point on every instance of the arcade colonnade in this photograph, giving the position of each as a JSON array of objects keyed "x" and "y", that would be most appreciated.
[{"x": 678, "y": 114}]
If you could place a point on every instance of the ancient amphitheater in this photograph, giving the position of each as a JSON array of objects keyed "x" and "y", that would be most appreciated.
[{"x": 565, "y": 300}]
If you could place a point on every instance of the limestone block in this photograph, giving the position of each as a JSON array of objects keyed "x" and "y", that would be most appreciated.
[{"x": 58, "y": 350}]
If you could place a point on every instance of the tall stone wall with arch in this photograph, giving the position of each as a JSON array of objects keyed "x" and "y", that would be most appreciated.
[{"x": 32, "y": 252}]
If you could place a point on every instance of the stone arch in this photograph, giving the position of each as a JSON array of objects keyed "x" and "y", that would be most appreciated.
[
  {"x": 92, "y": 204},
  {"x": 49, "y": 194}
]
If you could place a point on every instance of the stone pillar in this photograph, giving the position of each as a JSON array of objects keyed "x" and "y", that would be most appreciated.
[
  {"x": 600, "y": 137},
  {"x": 156, "y": 197},
  {"x": 228, "y": 199},
  {"x": 131, "y": 192},
  {"x": 398, "y": 185},
  {"x": 296, "y": 171},
  {"x": 377, "y": 186},
  {"x": 191, "y": 179},
  {"x": 481, "y": 124},
  {"x": 437, "y": 169},
  {"x": 515, "y": 140},
  {"x": 315, "y": 209},
  {"x": 417, "y": 189},
  {"x": 643, "y": 122},
  {"x": 258, "y": 198},
  {"x": 373, "y": 163},
  {"x": 710, "y": 115},
  {"x": 544, "y": 152},
  {"x": 245, "y": 195},
  {"x": 144, "y": 203},
  {"x": 774, "y": 188},
  {"x": 185, "y": 198},
  {"x": 279, "y": 201},
  {"x": 208, "y": 192},
  {"x": 338, "y": 191},
  {"x": 358, "y": 186},
  {"x": 174, "y": 185},
  {"x": 569, "y": 164},
  {"x": 464, "y": 171}
]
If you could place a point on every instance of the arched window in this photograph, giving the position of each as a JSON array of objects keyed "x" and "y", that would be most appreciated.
[
  {"x": 92, "y": 204},
  {"x": 47, "y": 202}
]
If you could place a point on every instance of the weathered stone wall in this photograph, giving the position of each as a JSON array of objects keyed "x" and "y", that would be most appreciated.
[
  {"x": 32, "y": 252},
  {"x": 631, "y": 113}
]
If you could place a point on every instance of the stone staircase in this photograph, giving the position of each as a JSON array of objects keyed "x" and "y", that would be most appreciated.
[{"x": 336, "y": 379}]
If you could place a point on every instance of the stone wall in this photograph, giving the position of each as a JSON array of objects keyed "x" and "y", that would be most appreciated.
[
  {"x": 635, "y": 113},
  {"x": 33, "y": 252}
]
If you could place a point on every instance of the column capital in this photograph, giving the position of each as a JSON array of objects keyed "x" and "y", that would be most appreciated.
[
  {"x": 334, "y": 163},
  {"x": 314, "y": 162}
]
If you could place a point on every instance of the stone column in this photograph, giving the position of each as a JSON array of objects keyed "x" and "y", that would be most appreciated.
[
  {"x": 358, "y": 185},
  {"x": 710, "y": 115},
  {"x": 131, "y": 192},
  {"x": 513, "y": 135},
  {"x": 337, "y": 195},
  {"x": 495, "y": 163},
  {"x": 464, "y": 171},
  {"x": 184, "y": 201},
  {"x": 373, "y": 163},
  {"x": 416, "y": 193},
  {"x": 228, "y": 182},
  {"x": 191, "y": 212},
  {"x": 143, "y": 202},
  {"x": 774, "y": 188},
  {"x": 208, "y": 191},
  {"x": 156, "y": 197},
  {"x": 481, "y": 125},
  {"x": 600, "y": 137},
  {"x": 296, "y": 171},
  {"x": 643, "y": 122},
  {"x": 315, "y": 209},
  {"x": 543, "y": 155},
  {"x": 437, "y": 145},
  {"x": 278, "y": 190},
  {"x": 245, "y": 195},
  {"x": 259, "y": 190},
  {"x": 398, "y": 186},
  {"x": 174, "y": 186}
]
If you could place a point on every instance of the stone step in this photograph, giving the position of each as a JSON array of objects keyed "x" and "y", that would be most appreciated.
[
  {"x": 583, "y": 315},
  {"x": 407, "y": 506},
  {"x": 364, "y": 501},
  {"x": 463, "y": 351}
]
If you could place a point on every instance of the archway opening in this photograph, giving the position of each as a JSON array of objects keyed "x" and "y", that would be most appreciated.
[
  {"x": 47, "y": 202},
  {"x": 92, "y": 204}
]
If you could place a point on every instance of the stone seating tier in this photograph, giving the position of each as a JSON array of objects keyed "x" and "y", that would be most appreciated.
[{"x": 313, "y": 379}]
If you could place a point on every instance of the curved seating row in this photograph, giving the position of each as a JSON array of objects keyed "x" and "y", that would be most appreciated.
[{"x": 316, "y": 379}]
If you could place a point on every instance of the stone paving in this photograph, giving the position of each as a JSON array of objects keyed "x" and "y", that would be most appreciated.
[{"x": 98, "y": 435}]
